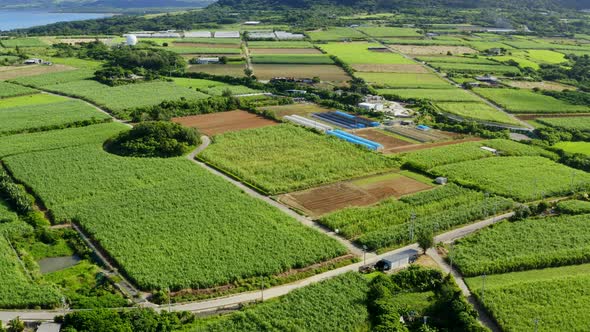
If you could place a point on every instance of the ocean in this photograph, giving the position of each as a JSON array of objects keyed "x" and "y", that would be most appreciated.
[{"x": 17, "y": 19}]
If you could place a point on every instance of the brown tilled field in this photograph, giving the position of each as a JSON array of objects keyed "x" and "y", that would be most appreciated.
[
  {"x": 229, "y": 70},
  {"x": 545, "y": 85},
  {"x": 319, "y": 201},
  {"x": 296, "y": 109},
  {"x": 432, "y": 50},
  {"x": 324, "y": 72},
  {"x": 256, "y": 51},
  {"x": 218, "y": 123},
  {"x": 8, "y": 73},
  {"x": 389, "y": 142},
  {"x": 390, "y": 68}
]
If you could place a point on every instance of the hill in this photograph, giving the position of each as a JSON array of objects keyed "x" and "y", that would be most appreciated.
[{"x": 101, "y": 5}]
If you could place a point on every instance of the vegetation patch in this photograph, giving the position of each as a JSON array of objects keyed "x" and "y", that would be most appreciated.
[
  {"x": 525, "y": 101},
  {"x": 440, "y": 95},
  {"x": 286, "y": 158},
  {"x": 574, "y": 147},
  {"x": 364, "y": 53},
  {"x": 13, "y": 90},
  {"x": 336, "y": 34},
  {"x": 477, "y": 111},
  {"x": 389, "y": 32},
  {"x": 296, "y": 59},
  {"x": 405, "y": 80}
]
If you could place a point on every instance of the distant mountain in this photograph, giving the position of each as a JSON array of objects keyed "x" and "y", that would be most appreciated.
[
  {"x": 383, "y": 4},
  {"x": 102, "y": 4}
]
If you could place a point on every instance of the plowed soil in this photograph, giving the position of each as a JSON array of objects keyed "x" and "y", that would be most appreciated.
[
  {"x": 218, "y": 123},
  {"x": 389, "y": 142}
]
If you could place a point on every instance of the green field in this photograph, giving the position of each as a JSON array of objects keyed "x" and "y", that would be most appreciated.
[
  {"x": 165, "y": 222},
  {"x": 558, "y": 298},
  {"x": 473, "y": 68},
  {"x": 309, "y": 59},
  {"x": 213, "y": 88},
  {"x": 38, "y": 99},
  {"x": 336, "y": 34},
  {"x": 279, "y": 44},
  {"x": 574, "y": 147},
  {"x": 48, "y": 116},
  {"x": 522, "y": 62},
  {"x": 450, "y": 95},
  {"x": 457, "y": 59},
  {"x": 40, "y": 81},
  {"x": 388, "y": 224},
  {"x": 574, "y": 207},
  {"x": 524, "y": 245},
  {"x": 567, "y": 123},
  {"x": 286, "y": 158},
  {"x": 359, "y": 53},
  {"x": 405, "y": 80},
  {"x": 478, "y": 111},
  {"x": 486, "y": 45},
  {"x": 389, "y": 32},
  {"x": 522, "y": 178},
  {"x": 422, "y": 42},
  {"x": 546, "y": 56},
  {"x": 22, "y": 42},
  {"x": 337, "y": 304},
  {"x": 526, "y": 101},
  {"x": 13, "y": 90},
  {"x": 426, "y": 159},
  {"x": 121, "y": 99},
  {"x": 209, "y": 40},
  {"x": 203, "y": 50}
]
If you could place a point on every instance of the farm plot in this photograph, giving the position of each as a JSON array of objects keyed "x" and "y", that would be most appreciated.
[
  {"x": 391, "y": 68},
  {"x": 337, "y": 304},
  {"x": 218, "y": 123},
  {"x": 336, "y": 34},
  {"x": 213, "y": 88},
  {"x": 432, "y": 50},
  {"x": 426, "y": 159},
  {"x": 293, "y": 51},
  {"x": 567, "y": 123},
  {"x": 478, "y": 111},
  {"x": 388, "y": 140},
  {"x": 422, "y": 42},
  {"x": 457, "y": 59},
  {"x": 360, "y": 53},
  {"x": 574, "y": 207},
  {"x": 558, "y": 298},
  {"x": 574, "y": 147},
  {"x": 522, "y": 178},
  {"x": 31, "y": 100},
  {"x": 295, "y": 109},
  {"x": 405, "y": 80},
  {"x": 529, "y": 244},
  {"x": 236, "y": 70},
  {"x": 13, "y": 90},
  {"x": 317, "y": 59},
  {"x": 362, "y": 192},
  {"x": 389, "y": 223},
  {"x": 40, "y": 81},
  {"x": 543, "y": 85},
  {"x": 486, "y": 45},
  {"x": 546, "y": 56},
  {"x": 330, "y": 73},
  {"x": 285, "y": 158},
  {"x": 121, "y": 99},
  {"x": 521, "y": 60},
  {"x": 525, "y": 101},
  {"x": 22, "y": 42},
  {"x": 23, "y": 71},
  {"x": 167, "y": 222},
  {"x": 389, "y": 32},
  {"x": 48, "y": 116},
  {"x": 279, "y": 45},
  {"x": 440, "y": 95},
  {"x": 474, "y": 68},
  {"x": 204, "y": 50},
  {"x": 419, "y": 135}
]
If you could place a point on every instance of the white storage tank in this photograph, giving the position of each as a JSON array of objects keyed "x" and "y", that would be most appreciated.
[{"x": 131, "y": 40}]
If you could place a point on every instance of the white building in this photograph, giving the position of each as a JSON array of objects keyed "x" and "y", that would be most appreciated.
[
  {"x": 378, "y": 107},
  {"x": 33, "y": 61},
  {"x": 197, "y": 34},
  {"x": 207, "y": 61},
  {"x": 251, "y": 22},
  {"x": 283, "y": 35},
  {"x": 226, "y": 34}
]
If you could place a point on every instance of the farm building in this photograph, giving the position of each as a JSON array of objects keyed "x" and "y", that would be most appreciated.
[
  {"x": 33, "y": 61},
  {"x": 283, "y": 35},
  {"x": 253, "y": 35},
  {"x": 371, "y": 107},
  {"x": 251, "y": 22},
  {"x": 197, "y": 34},
  {"x": 207, "y": 61},
  {"x": 488, "y": 79},
  {"x": 154, "y": 34},
  {"x": 441, "y": 180},
  {"x": 307, "y": 123},
  {"x": 226, "y": 34}
]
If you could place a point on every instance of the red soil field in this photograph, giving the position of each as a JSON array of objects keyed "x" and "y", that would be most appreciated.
[{"x": 218, "y": 123}]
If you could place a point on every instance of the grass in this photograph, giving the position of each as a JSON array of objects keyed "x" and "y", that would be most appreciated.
[
  {"x": 359, "y": 53},
  {"x": 335, "y": 34},
  {"x": 473, "y": 68},
  {"x": 40, "y": 81},
  {"x": 389, "y": 32},
  {"x": 165, "y": 222},
  {"x": 522, "y": 62},
  {"x": 567, "y": 123},
  {"x": 286, "y": 158},
  {"x": 33, "y": 117},
  {"x": 31, "y": 100},
  {"x": 195, "y": 40},
  {"x": 121, "y": 99},
  {"x": 203, "y": 50},
  {"x": 388, "y": 224},
  {"x": 213, "y": 88},
  {"x": 422, "y": 42},
  {"x": 547, "y": 56},
  {"x": 478, "y": 111},
  {"x": 337, "y": 304},
  {"x": 574, "y": 207},
  {"x": 319, "y": 59},
  {"x": 405, "y": 80},
  {"x": 13, "y": 90},
  {"x": 279, "y": 44},
  {"x": 522, "y": 178},
  {"x": 457, "y": 59},
  {"x": 558, "y": 298},
  {"x": 22, "y": 42},
  {"x": 574, "y": 147},
  {"x": 486, "y": 45},
  {"x": 440, "y": 95},
  {"x": 526, "y": 101}
]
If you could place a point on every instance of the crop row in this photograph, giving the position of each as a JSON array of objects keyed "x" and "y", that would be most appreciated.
[
  {"x": 524, "y": 101},
  {"x": 13, "y": 90},
  {"x": 320, "y": 59}
]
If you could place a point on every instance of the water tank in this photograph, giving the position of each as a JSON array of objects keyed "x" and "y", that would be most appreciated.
[{"x": 131, "y": 40}]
